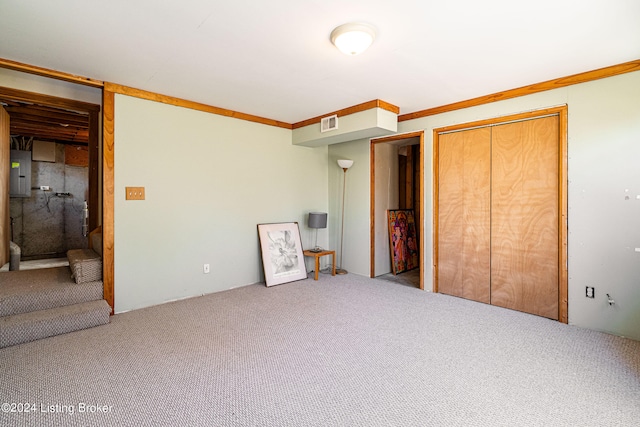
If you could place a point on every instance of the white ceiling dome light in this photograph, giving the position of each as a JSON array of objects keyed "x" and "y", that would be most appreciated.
[{"x": 353, "y": 38}]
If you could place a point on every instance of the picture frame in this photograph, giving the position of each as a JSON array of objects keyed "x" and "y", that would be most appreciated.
[
  {"x": 282, "y": 254},
  {"x": 403, "y": 240}
]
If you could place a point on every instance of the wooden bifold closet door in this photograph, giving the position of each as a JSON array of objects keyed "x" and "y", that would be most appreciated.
[
  {"x": 464, "y": 255},
  {"x": 498, "y": 207}
]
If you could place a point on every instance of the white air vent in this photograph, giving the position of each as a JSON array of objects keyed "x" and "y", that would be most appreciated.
[{"x": 329, "y": 123}]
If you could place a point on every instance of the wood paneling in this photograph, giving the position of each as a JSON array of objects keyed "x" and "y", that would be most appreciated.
[
  {"x": 5, "y": 224},
  {"x": 408, "y": 181},
  {"x": 48, "y": 117},
  {"x": 528, "y": 208},
  {"x": 464, "y": 171},
  {"x": 108, "y": 200},
  {"x": 47, "y": 123},
  {"x": 408, "y": 184},
  {"x": 95, "y": 211},
  {"x": 451, "y": 208},
  {"x": 75, "y": 155},
  {"x": 416, "y": 181},
  {"x": 524, "y": 212}
]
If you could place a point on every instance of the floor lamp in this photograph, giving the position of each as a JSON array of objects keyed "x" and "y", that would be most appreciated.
[{"x": 344, "y": 164}]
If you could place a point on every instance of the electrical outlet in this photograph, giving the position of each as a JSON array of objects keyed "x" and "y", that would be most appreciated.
[
  {"x": 205, "y": 269},
  {"x": 590, "y": 292}
]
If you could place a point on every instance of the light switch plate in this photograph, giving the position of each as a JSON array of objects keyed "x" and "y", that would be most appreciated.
[{"x": 134, "y": 193}]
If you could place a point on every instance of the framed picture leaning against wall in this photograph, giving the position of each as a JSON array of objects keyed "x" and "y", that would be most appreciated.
[{"x": 281, "y": 249}]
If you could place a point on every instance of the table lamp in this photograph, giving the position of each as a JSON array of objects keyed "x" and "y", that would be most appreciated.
[{"x": 317, "y": 220}]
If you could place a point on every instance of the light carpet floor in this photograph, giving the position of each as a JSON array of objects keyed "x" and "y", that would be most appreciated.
[
  {"x": 342, "y": 351},
  {"x": 39, "y": 263}
]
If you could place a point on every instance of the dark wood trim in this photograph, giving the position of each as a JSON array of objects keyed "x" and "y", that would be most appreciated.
[
  {"x": 376, "y": 103},
  {"x": 421, "y": 214},
  {"x": 94, "y": 176},
  {"x": 397, "y": 137},
  {"x": 499, "y": 120},
  {"x": 170, "y": 100},
  {"x": 108, "y": 126},
  {"x": 372, "y": 192},
  {"x": 588, "y": 76},
  {"x": 5, "y": 167},
  {"x": 563, "y": 226},
  {"x": 562, "y": 113},
  {"x": 600, "y": 73},
  {"x": 51, "y": 101},
  {"x": 46, "y": 72},
  {"x": 435, "y": 209}
]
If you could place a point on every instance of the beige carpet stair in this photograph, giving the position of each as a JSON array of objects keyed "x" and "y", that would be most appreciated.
[
  {"x": 36, "y": 304},
  {"x": 25, "y": 327}
]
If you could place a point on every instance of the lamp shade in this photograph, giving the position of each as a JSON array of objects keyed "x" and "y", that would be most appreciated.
[
  {"x": 317, "y": 220},
  {"x": 345, "y": 164}
]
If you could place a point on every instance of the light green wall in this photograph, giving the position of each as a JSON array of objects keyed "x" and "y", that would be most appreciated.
[
  {"x": 370, "y": 123},
  {"x": 604, "y": 226},
  {"x": 209, "y": 181},
  {"x": 604, "y": 204},
  {"x": 387, "y": 188},
  {"x": 603, "y": 195},
  {"x": 356, "y": 223}
]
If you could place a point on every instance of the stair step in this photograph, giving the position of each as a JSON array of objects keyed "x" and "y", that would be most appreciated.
[
  {"x": 25, "y": 291},
  {"x": 25, "y": 327}
]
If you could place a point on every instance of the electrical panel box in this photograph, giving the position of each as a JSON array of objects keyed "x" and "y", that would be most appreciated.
[{"x": 20, "y": 174}]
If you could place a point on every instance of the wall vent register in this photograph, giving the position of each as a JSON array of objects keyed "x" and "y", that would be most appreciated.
[{"x": 329, "y": 123}]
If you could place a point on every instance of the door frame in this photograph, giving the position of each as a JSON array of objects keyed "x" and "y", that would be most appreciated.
[
  {"x": 372, "y": 206},
  {"x": 562, "y": 113},
  {"x": 93, "y": 110},
  {"x": 5, "y": 158}
]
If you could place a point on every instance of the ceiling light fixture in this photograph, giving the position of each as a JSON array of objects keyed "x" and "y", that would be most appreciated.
[{"x": 353, "y": 38}]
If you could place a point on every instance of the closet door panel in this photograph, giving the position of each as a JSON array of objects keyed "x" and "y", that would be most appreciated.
[
  {"x": 450, "y": 210},
  {"x": 524, "y": 209},
  {"x": 464, "y": 214}
]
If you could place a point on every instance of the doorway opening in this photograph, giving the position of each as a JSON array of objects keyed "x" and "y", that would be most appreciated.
[
  {"x": 59, "y": 203},
  {"x": 397, "y": 177}
]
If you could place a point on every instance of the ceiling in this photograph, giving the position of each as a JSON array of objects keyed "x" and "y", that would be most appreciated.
[
  {"x": 274, "y": 58},
  {"x": 46, "y": 123}
]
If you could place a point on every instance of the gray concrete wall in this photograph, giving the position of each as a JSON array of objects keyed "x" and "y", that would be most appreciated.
[{"x": 46, "y": 225}]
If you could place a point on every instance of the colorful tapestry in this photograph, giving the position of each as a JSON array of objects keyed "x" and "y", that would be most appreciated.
[{"x": 403, "y": 240}]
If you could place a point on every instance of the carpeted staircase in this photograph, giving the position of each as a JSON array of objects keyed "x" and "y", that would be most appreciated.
[{"x": 36, "y": 304}]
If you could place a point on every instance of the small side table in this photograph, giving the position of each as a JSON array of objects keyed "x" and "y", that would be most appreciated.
[{"x": 317, "y": 256}]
